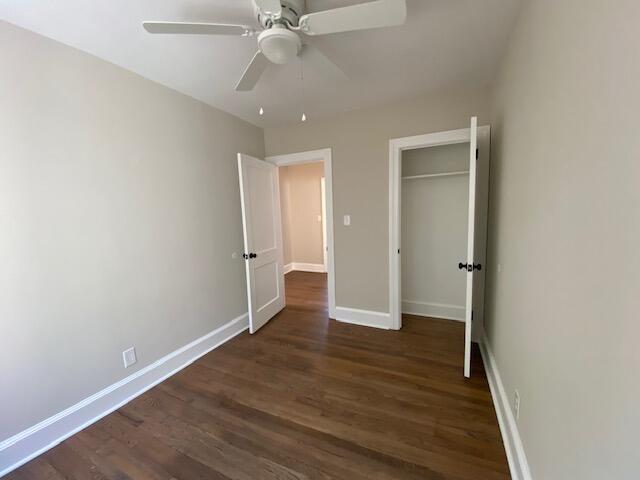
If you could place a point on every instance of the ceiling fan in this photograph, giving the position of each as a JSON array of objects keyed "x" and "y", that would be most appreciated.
[{"x": 282, "y": 21}]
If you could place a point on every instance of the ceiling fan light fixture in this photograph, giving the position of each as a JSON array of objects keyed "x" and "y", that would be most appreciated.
[
  {"x": 282, "y": 21},
  {"x": 279, "y": 45}
]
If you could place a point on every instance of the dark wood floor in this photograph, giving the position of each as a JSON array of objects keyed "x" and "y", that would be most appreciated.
[{"x": 304, "y": 398}]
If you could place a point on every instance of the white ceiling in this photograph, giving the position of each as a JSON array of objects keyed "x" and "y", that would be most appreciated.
[{"x": 456, "y": 43}]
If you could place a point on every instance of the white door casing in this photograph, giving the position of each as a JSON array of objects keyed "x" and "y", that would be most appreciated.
[
  {"x": 324, "y": 222},
  {"x": 261, "y": 222},
  {"x": 322, "y": 155}
]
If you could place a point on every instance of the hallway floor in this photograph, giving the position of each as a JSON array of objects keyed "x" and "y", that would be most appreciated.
[{"x": 304, "y": 398}]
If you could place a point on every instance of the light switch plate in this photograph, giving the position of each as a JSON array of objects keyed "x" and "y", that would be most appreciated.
[
  {"x": 129, "y": 357},
  {"x": 347, "y": 220}
]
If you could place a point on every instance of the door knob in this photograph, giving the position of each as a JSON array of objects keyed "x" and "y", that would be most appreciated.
[{"x": 470, "y": 268}]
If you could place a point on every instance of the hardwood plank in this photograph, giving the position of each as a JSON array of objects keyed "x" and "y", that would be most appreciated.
[{"x": 304, "y": 398}]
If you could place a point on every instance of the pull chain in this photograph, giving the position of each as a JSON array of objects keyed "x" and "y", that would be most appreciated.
[{"x": 304, "y": 116}]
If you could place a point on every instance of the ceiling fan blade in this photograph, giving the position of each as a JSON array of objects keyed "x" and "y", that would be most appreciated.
[
  {"x": 196, "y": 28},
  {"x": 313, "y": 53},
  {"x": 271, "y": 7},
  {"x": 379, "y": 13},
  {"x": 252, "y": 73}
]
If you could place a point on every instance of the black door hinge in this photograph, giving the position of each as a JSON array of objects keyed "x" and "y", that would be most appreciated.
[{"x": 476, "y": 153}]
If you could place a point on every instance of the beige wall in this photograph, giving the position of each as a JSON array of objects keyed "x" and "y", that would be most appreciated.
[
  {"x": 360, "y": 153},
  {"x": 285, "y": 213},
  {"x": 301, "y": 203},
  {"x": 562, "y": 316},
  {"x": 119, "y": 211}
]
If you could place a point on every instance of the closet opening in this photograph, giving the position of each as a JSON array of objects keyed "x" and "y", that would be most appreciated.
[
  {"x": 438, "y": 200},
  {"x": 435, "y": 208}
]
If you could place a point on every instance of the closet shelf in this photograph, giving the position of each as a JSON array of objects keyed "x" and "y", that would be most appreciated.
[{"x": 433, "y": 175}]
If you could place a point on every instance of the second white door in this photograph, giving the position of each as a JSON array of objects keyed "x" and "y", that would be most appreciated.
[
  {"x": 260, "y": 199},
  {"x": 469, "y": 266}
]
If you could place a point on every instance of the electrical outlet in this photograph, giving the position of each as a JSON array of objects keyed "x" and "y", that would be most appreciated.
[
  {"x": 346, "y": 220},
  {"x": 129, "y": 357},
  {"x": 516, "y": 404}
]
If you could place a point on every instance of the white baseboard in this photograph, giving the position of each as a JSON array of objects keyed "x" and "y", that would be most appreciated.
[
  {"x": 304, "y": 267},
  {"x": 28, "y": 444},
  {"x": 518, "y": 465},
  {"x": 365, "y": 318},
  {"x": 434, "y": 310}
]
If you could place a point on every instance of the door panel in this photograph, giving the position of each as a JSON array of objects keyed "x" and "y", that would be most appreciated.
[
  {"x": 260, "y": 199},
  {"x": 261, "y": 190},
  {"x": 480, "y": 230},
  {"x": 266, "y": 284}
]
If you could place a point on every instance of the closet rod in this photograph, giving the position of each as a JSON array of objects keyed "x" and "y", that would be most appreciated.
[{"x": 432, "y": 175}]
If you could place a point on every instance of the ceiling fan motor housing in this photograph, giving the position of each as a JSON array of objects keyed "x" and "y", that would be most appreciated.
[
  {"x": 291, "y": 12},
  {"x": 279, "y": 44}
]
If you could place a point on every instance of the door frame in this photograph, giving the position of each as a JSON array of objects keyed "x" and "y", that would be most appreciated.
[
  {"x": 322, "y": 155},
  {"x": 323, "y": 193},
  {"x": 396, "y": 147}
]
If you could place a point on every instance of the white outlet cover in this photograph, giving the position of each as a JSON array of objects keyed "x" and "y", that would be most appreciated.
[
  {"x": 129, "y": 357},
  {"x": 347, "y": 220}
]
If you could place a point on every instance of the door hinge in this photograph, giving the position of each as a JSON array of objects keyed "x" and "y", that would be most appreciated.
[
  {"x": 476, "y": 153},
  {"x": 398, "y": 251}
]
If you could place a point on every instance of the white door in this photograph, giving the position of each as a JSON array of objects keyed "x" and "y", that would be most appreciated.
[
  {"x": 470, "y": 265},
  {"x": 260, "y": 199}
]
